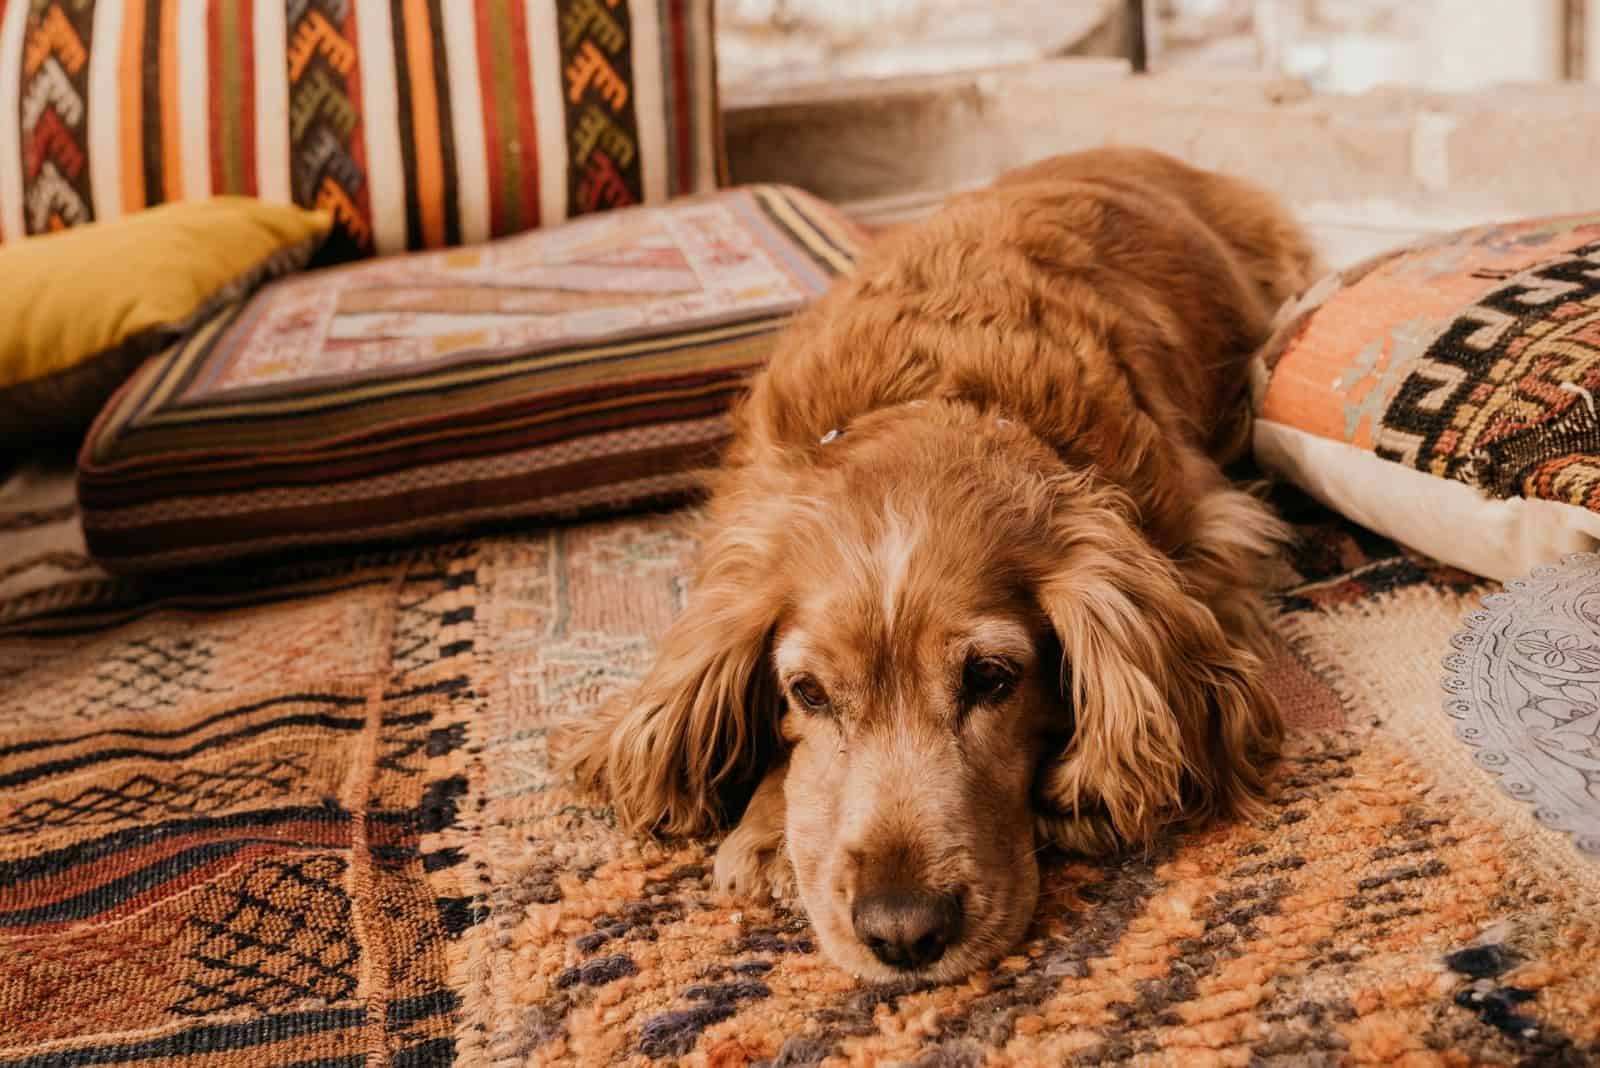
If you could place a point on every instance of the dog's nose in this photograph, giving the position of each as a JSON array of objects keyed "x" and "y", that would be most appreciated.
[{"x": 907, "y": 928}]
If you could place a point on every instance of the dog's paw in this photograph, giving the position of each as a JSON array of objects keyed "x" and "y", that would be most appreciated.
[{"x": 753, "y": 867}]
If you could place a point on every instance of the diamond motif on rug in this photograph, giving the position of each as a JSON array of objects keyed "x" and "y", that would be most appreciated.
[
  {"x": 286, "y": 936},
  {"x": 191, "y": 791},
  {"x": 146, "y": 672}
]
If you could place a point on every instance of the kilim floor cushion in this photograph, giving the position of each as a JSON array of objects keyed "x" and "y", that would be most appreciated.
[
  {"x": 308, "y": 818},
  {"x": 419, "y": 124},
  {"x": 1444, "y": 394},
  {"x": 584, "y": 368}
]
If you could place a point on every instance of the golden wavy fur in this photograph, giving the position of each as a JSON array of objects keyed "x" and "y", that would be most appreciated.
[{"x": 1013, "y": 601}]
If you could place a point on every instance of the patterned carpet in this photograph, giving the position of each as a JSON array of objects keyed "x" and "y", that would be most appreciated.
[{"x": 303, "y": 815}]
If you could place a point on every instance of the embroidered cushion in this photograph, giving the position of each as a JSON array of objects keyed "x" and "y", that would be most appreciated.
[
  {"x": 1444, "y": 394},
  {"x": 580, "y": 369},
  {"x": 417, "y": 125}
]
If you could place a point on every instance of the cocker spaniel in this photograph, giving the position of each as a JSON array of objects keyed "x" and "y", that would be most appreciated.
[{"x": 973, "y": 580}]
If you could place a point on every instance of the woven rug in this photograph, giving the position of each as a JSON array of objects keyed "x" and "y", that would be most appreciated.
[{"x": 303, "y": 815}]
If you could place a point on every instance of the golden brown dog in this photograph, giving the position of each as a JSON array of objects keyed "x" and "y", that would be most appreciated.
[{"x": 974, "y": 581}]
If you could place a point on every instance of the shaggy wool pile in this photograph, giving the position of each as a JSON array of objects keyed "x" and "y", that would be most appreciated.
[{"x": 303, "y": 815}]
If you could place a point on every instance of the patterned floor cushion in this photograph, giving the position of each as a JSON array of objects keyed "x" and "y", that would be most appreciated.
[
  {"x": 417, "y": 125},
  {"x": 1444, "y": 394},
  {"x": 563, "y": 372}
]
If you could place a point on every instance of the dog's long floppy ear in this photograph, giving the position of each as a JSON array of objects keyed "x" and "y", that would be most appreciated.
[
  {"x": 1170, "y": 721},
  {"x": 681, "y": 752}
]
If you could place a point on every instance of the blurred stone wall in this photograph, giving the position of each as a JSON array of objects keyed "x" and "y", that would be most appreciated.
[
  {"x": 769, "y": 45},
  {"x": 1351, "y": 46},
  {"x": 1334, "y": 45}
]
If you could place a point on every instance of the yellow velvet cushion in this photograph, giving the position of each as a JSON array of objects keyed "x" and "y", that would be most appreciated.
[{"x": 80, "y": 309}]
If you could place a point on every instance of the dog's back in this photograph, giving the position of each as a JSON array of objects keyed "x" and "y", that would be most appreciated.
[
  {"x": 1270, "y": 246},
  {"x": 1086, "y": 295}
]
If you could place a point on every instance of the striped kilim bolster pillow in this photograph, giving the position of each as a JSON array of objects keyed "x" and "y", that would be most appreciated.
[
  {"x": 564, "y": 372},
  {"x": 416, "y": 123}
]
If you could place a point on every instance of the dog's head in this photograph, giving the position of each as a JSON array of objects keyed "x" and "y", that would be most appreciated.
[{"x": 967, "y": 650}]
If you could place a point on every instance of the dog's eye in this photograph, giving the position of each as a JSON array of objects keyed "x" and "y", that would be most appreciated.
[
  {"x": 987, "y": 680},
  {"x": 809, "y": 692}
]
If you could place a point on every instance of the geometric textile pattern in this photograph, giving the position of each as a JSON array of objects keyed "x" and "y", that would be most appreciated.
[
  {"x": 575, "y": 370},
  {"x": 283, "y": 934},
  {"x": 1503, "y": 399},
  {"x": 147, "y": 671},
  {"x": 1444, "y": 393},
  {"x": 220, "y": 847},
  {"x": 422, "y": 124},
  {"x": 379, "y": 863},
  {"x": 191, "y": 790},
  {"x": 54, "y": 97},
  {"x": 164, "y": 658}
]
